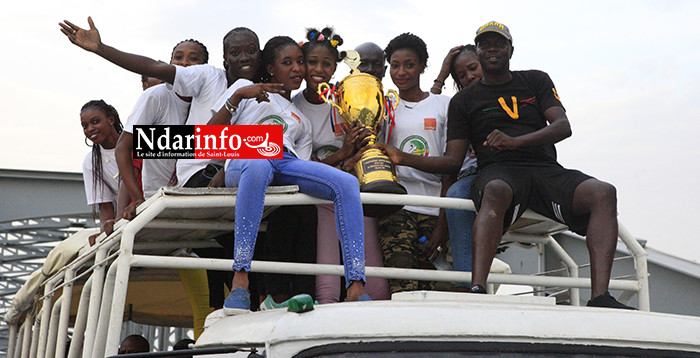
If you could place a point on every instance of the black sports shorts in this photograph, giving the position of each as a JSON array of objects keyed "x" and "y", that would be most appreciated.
[{"x": 545, "y": 188}]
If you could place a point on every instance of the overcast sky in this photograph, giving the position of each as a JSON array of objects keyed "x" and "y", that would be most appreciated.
[{"x": 626, "y": 73}]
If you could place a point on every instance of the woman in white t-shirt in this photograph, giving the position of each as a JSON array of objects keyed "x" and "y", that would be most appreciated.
[
  {"x": 420, "y": 129},
  {"x": 331, "y": 145},
  {"x": 283, "y": 63},
  {"x": 101, "y": 125},
  {"x": 160, "y": 106},
  {"x": 156, "y": 106}
]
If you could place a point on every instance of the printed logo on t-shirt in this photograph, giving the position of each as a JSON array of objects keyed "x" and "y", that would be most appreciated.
[
  {"x": 415, "y": 145},
  {"x": 530, "y": 100},
  {"x": 274, "y": 120},
  {"x": 556, "y": 95},
  {"x": 324, "y": 152},
  {"x": 296, "y": 117},
  {"x": 513, "y": 113},
  {"x": 429, "y": 124}
]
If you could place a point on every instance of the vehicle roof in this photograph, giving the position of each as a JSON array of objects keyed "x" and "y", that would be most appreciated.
[{"x": 443, "y": 316}]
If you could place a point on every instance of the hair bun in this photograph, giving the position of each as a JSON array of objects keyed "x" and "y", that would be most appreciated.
[
  {"x": 325, "y": 37},
  {"x": 311, "y": 34}
]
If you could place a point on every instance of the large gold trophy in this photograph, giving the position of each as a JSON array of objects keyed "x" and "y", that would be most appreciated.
[{"x": 360, "y": 97}]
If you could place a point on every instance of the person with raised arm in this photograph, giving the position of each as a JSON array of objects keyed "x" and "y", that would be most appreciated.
[
  {"x": 160, "y": 106},
  {"x": 156, "y": 106},
  {"x": 205, "y": 84},
  {"x": 464, "y": 68}
]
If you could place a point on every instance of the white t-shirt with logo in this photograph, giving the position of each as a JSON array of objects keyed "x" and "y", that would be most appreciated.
[
  {"x": 278, "y": 111},
  {"x": 107, "y": 189},
  {"x": 421, "y": 129},
  {"x": 157, "y": 106},
  {"x": 205, "y": 84},
  {"x": 325, "y": 141}
]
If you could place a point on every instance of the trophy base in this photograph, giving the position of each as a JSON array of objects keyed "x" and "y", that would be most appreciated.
[{"x": 381, "y": 186}]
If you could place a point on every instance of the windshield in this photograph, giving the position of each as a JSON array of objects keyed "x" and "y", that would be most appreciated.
[{"x": 433, "y": 349}]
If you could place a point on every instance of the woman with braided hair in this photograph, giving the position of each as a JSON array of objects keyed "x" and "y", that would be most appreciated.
[
  {"x": 101, "y": 125},
  {"x": 333, "y": 142}
]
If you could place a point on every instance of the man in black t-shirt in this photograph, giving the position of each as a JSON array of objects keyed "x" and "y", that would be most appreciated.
[{"x": 513, "y": 119}]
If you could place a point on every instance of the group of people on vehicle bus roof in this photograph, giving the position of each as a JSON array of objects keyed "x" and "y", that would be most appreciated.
[{"x": 492, "y": 142}]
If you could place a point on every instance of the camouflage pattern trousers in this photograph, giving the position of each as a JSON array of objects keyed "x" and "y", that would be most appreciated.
[{"x": 398, "y": 237}]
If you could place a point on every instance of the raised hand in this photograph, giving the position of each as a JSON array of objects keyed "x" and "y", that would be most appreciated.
[
  {"x": 86, "y": 39},
  {"x": 445, "y": 69}
]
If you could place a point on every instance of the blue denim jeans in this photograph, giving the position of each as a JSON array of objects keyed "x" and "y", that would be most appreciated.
[
  {"x": 459, "y": 223},
  {"x": 252, "y": 176}
]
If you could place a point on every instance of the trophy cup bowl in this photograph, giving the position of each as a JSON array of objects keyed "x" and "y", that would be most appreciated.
[{"x": 360, "y": 97}]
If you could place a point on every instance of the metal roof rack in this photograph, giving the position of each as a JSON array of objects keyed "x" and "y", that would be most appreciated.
[{"x": 180, "y": 217}]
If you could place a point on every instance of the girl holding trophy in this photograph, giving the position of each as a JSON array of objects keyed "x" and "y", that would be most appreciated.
[
  {"x": 284, "y": 70},
  {"x": 333, "y": 142}
]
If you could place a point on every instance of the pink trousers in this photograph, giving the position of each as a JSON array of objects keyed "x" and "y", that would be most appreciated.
[{"x": 328, "y": 252}]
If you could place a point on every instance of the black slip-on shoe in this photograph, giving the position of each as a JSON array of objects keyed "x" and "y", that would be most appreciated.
[{"x": 606, "y": 300}]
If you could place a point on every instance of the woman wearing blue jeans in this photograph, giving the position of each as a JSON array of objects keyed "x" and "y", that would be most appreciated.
[
  {"x": 459, "y": 223},
  {"x": 252, "y": 176},
  {"x": 269, "y": 102}
]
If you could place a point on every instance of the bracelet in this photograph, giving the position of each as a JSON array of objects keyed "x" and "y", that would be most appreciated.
[
  {"x": 230, "y": 108},
  {"x": 441, "y": 82}
]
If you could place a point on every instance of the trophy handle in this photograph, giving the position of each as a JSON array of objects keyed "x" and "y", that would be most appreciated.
[
  {"x": 322, "y": 89},
  {"x": 394, "y": 98}
]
